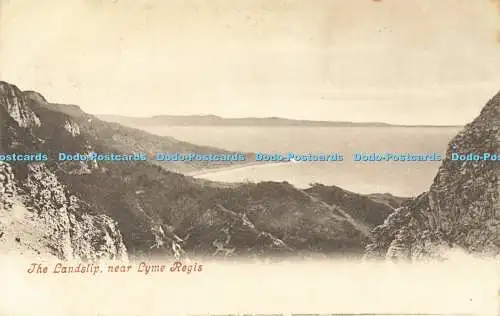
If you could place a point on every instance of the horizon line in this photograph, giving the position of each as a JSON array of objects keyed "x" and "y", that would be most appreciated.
[{"x": 273, "y": 117}]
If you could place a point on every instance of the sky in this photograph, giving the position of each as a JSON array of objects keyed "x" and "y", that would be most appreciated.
[{"x": 396, "y": 61}]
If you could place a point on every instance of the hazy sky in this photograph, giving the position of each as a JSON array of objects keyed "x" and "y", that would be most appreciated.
[{"x": 398, "y": 61}]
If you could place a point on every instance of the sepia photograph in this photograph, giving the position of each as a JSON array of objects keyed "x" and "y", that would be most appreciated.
[{"x": 249, "y": 157}]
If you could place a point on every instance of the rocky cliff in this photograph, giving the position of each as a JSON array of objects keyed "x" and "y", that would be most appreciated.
[
  {"x": 460, "y": 210},
  {"x": 39, "y": 215},
  {"x": 14, "y": 102}
]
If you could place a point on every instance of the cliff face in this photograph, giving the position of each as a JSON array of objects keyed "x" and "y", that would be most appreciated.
[
  {"x": 39, "y": 215},
  {"x": 14, "y": 101},
  {"x": 461, "y": 209}
]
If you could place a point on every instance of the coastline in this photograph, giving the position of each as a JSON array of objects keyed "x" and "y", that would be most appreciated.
[
  {"x": 208, "y": 171},
  {"x": 344, "y": 181}
]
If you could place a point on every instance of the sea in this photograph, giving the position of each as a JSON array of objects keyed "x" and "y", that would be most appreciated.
[{"x": 398, "y": 178}]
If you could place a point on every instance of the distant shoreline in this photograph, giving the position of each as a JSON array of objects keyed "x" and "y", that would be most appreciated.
[
  {"x": 211, "y": 121},
  {"x": 208, "y": 171},
  {"x": 288, "y": 126}
]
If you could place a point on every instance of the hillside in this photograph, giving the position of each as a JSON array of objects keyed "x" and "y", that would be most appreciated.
[
  {"x": 460, "y": 210},
  {"x": 158, "y": 212},
  {"x": 127, "y": 139},
  {"x": 370, "y": 210}
]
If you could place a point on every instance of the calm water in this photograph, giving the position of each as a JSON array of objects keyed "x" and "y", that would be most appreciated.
[{"x": 402, "y": 178}]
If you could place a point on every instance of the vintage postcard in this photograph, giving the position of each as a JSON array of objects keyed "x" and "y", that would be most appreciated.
[{"x": 249, "y": 157}]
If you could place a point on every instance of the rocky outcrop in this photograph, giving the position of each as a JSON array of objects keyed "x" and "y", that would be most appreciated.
[
  {"x": 15, "y": 102},
  {"x": 72, "y": 128},
  {"x": 462, "y": 207},
  {"x": 173, "y": 243},
  {"x": 62, "y": 222},
  {"x": 7, "y": 186}
]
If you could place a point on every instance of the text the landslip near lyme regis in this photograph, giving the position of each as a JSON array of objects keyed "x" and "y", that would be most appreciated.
[{"x": 91, "y": 268}]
